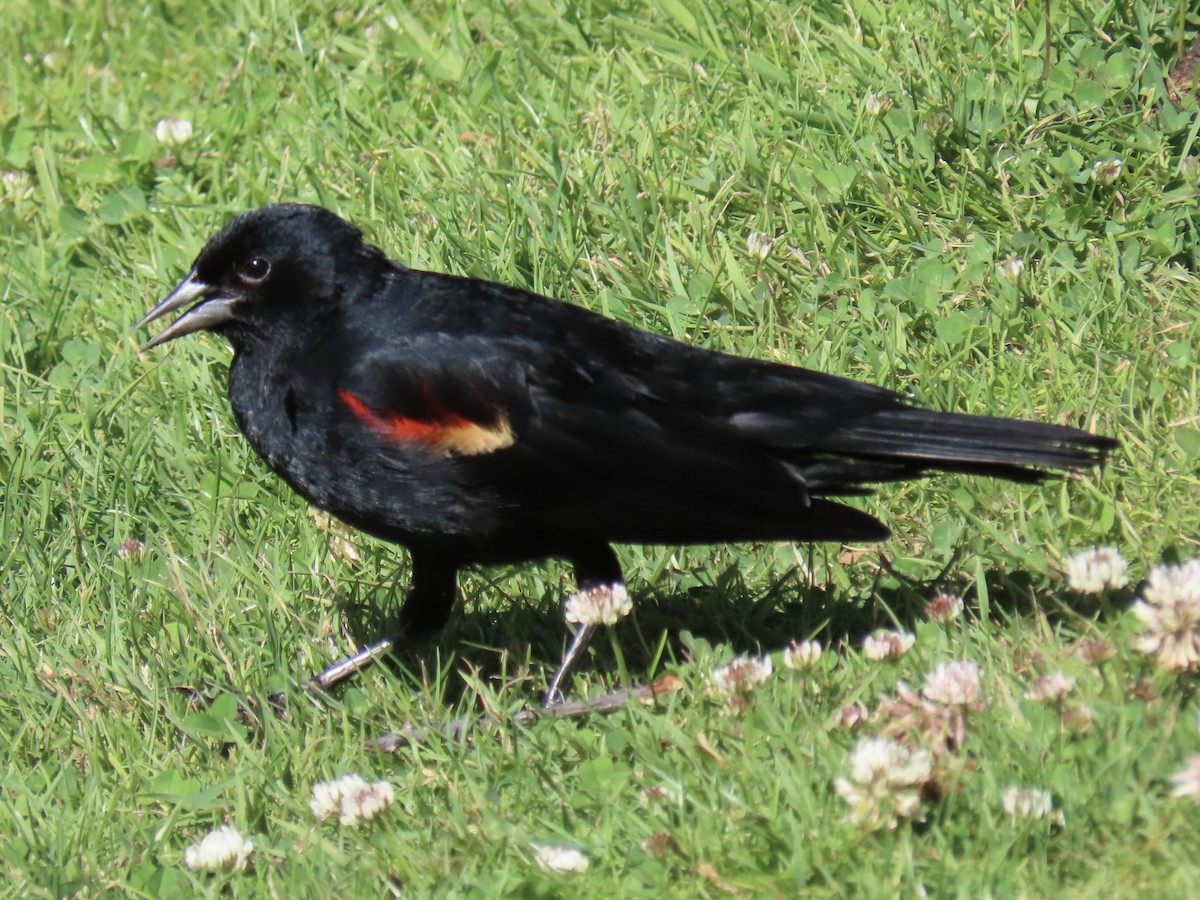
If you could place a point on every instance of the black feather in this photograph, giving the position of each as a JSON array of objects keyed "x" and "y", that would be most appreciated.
[{"x": 594, "y": 432}]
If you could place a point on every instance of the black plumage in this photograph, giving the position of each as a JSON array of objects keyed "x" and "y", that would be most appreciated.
[{"x": 477, "y": 423}]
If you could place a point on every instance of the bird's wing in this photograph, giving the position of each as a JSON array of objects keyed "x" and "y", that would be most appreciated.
[
  {"x": 436, "y": 394},
  {"x": 592, "y": 446}
]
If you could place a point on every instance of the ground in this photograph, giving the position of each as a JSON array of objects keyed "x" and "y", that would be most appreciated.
[{"x": 900, "y": 193}]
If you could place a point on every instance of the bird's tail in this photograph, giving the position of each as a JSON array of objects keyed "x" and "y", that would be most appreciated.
[{"x": 906, "y": 441}]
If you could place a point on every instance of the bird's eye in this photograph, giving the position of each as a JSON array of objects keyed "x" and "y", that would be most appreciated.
[{"x": 254, "y": 270}]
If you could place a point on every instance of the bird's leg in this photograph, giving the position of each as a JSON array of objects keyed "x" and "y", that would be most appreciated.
[
  {"x": 597, "y": 574},
  {"x": 425, "y": 610},
  {"x": 579, "y": 642},
  {"x": 348, "y": 668}
]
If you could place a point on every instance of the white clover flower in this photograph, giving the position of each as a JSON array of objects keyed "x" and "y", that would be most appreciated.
[
  {"x": 954, "y": 684},
  {"x": 878, "y": 104},
  {"x": 1170, "y": 614},
  {"x": 937, "y": 716},
  {"x": 559, "y": 859},
  {"x": 173, "y": 132},
  {"x": 852, "y": 716},
  {"x": 351, "y": 798},
  {"x": 1095, "y": 650},
  {"x": 1078, "y": 719},
  {"x": 1107, "y": 171},
  {"x": 1052, "y": 688},
  {"x": 657, "y": 844},
  {"x": 1027, "y": 803},
  {"x": 1097, "y": 570},
  {"x": 327, "y": 795},
  {"x": 887, "y": 645},
  {"x": 943, "y": 608},
  {"x": 801, "y": 654},
  {"x": 759, "y": 245},
  {"x": 1187, "y": 781},
  {"x": 885, "y": 783},
  {"x": 742, "y": 675},
  {"x": 1012, "y": 269},
  {"x": 604, "y": 605},
  {"x": 222, "y": 850},
  {"x": 15, "y": 186},
  {"x": 131, "y": 549},
  {"x": 369, "y": 803}
]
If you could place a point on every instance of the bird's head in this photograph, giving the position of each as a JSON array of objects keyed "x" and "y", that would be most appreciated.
[{"x": 283, "y": 261}]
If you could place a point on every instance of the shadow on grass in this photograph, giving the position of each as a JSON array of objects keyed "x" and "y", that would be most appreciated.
[{"x": 666, "y": 623}]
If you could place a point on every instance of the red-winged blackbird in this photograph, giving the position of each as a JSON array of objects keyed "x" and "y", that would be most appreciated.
[{"x": 476, "y": 423}]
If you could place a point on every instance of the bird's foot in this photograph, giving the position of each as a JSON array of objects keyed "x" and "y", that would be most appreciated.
[
  {"x": 203, "y": 696},
  {"x": 457, "y": 729},
  {"x": 348, "y": 668}
]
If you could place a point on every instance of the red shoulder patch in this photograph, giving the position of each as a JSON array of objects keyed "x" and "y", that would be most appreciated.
[{"x": 445, "y": 433}]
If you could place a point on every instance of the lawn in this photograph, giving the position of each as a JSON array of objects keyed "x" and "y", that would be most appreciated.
[{"x": 909, "y": 194}]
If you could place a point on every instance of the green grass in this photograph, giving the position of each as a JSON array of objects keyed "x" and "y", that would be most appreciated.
[{"x": 616, "y": 157}]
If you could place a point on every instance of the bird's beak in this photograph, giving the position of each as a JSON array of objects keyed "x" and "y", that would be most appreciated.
[{"x": 212, "y": 309}]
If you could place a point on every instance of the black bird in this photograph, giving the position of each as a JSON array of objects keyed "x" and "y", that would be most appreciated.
[{"x": 475, "y": 423}]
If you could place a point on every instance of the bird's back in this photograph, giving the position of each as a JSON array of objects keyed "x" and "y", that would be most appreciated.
[{"x": 585, "y": 428}]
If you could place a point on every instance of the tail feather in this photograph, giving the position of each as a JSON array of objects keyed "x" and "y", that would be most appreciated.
[{"x": 919, "y": 440}]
